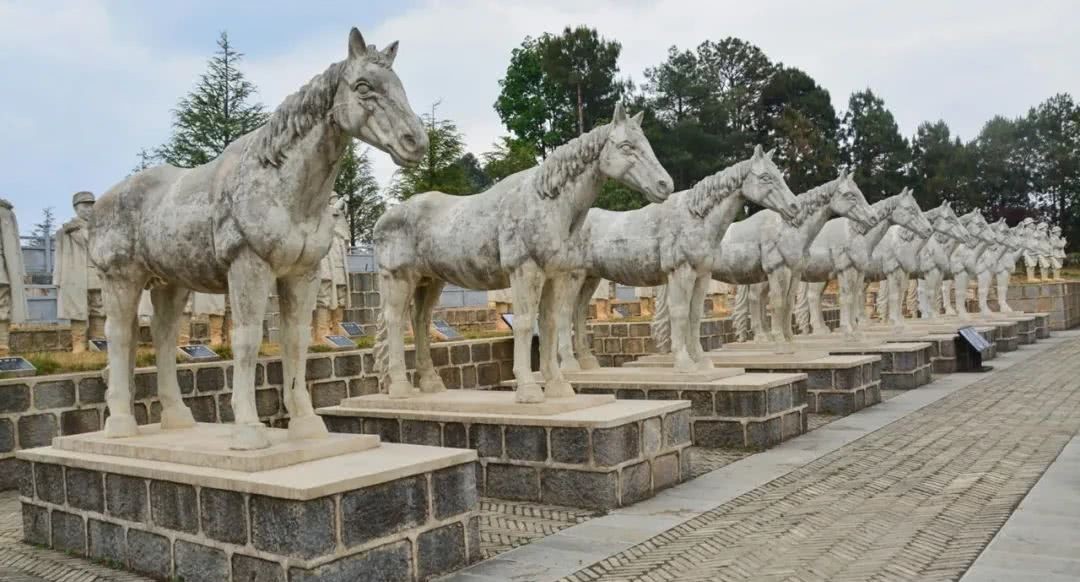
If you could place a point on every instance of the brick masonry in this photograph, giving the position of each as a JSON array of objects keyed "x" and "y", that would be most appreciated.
[
  {"x": 413, "y": 528},
  {"x": 1060, "y": 299},
  {"x": 840, "y": 390},
  {"x": 901, "y": 369}
]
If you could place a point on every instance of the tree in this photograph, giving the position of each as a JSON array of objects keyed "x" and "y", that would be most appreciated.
[
  {"x": 559, "y": 86},
  {"x": 216, "y": 112},
  {"x": 1002, "y": 175},
  {"x": 735, "y": 72},
  {"x": 44, "y": 229},
  {"x": 795, "y": 115},
  {"x": 872, "y": 146},
  {"x": 474, "y": 173},
  {"x": 1054, "y": 150},
  {"x": 144, "y": 159},
  {"x": 356, "y": 184},
  {"x": 510, "y": 156},
  {"x": 677, "y": 87},
  {"x": 939, "y": 166},
  {"x": 439, "y": 169}
]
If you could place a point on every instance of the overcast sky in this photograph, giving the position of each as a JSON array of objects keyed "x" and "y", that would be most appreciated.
[{"x": 85, "y": 84}]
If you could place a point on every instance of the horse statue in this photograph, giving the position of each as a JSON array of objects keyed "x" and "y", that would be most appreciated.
[
  {"x": 256, "y": 215},
  {"x": 842, "y": 249},
  {"x": 1038, "y": 253},
  {"x": 964, "y": 261},
  {"x": 993, "y": 261},
  {"x": 766, "y": 249},
  {"x": 514, "y": 234},
  {"x": 934, "y": 262},
  {"x": 899, "y": 259},
  {"x": 1057, "y": 254},
  {"x": 674, "y": 244}
]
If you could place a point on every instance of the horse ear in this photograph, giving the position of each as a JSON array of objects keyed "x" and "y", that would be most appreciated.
[
  {"x": 769, "y": 154},
  {"x": 390, "y": 52},
  {"x": 758, "y": 151},
  {"x": 843, "y": 173},
  {"x": 638, "y": 117},
  {"x": 357, "y": 46},
  {"x": 620, "y": 114}
]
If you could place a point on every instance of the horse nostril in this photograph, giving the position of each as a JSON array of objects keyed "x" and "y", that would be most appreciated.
[
  {"x": 663, "y": 186},
  {"x": 409, "y": 140}
]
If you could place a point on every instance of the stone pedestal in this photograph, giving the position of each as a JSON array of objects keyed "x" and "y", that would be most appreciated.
[
  {"x": 835, "y": 384},
  {"x": 583, "y": 451},
  {"x": 729, "y": 408},
  {"x": 904, "y": 365},
  {"x": 403, "y": 512},
  {"x": 1059, "y": 300}
]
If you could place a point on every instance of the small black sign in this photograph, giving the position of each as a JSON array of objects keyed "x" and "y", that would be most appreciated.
[
  {"x": 352, "y": 329},
  {"x": 970, "y": 346},
  {"x": 15, "y": 366},
  {"x": 199, "y": 352},
  {"x": 445, "y": 330},
  {"x": 974, "y": 339},
  {"x": 341, "y": 342},
  {"x": 99, "y": 345}
]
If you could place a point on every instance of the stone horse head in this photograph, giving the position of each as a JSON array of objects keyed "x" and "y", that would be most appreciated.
[
  {"x": 849, "y": 201},
  {"x": 628, "y": 158},
  {"x": 978, "y": 228},
  {"x": 948, "y": 225},
  {"x": 371, "y": 104},
  {"x": 907, "y": 214},
  {"x": 764, "y": 185}
]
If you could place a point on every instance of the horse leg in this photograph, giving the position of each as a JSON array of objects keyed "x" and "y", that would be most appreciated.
[
  {"x": 396, "y": 290},
  {"x": 693, "y": 328},
  {"x": 813, "y": 305},
  {"x": 680, "y": 293},
  {"x": 169, "y": 302},
  {"x": 552, "y": 294},
  {"x": 947, "y": 296},
  {"x": 1003, "y": 292},
  {"x": 984, "y": 292},
  {"x": 778, "y": 296},
  {"x": 296, "y": 298},
  {"x": 754, "y": 293},
  {"x": 426, "y": 297},
  {"x": 121, "y": 298},
  {"x": 585, "y": 358},
  {"x": 526, "y": 283},
  {"x": 788, "y": 328},
  {"x": 249, "y": 289},
  {"x": 895, "y": 284},
  {"x": 846, "y": 280},
  {"x": 566, "y": 296},
  {"x": 960, "y": 288}
]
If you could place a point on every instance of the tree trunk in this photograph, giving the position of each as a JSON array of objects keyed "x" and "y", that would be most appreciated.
[{"x": 580, "y": 113}]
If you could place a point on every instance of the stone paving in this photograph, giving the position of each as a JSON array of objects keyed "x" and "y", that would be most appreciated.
[{"x": 915, "y": 500}]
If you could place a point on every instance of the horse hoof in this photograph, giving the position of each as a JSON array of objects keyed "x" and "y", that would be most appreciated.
[
  {"x": 704, "y": 363},
  {"x": 589, "y": 362},
  {"x": 570, "y": 365},
  {"x": 250, "y": 437},
  {"x": 307, "y": 427},
  {"x": 558, "y": 389},
  {"x": 400, "y": 389},
  {"x": 178, "y": 416},
  {"x": 432, "y": 384},
  {"x": 529, "y": 394},
  {"x": 121, "y": 425},
  {"x": 683, "y": 363}
]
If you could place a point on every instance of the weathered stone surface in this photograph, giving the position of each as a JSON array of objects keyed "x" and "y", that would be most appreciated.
[
  {"x": 267, "y": 402},
  {"x": 304, "y": 529},
  {"x": 85, "y": 489},
  {"x": 14, "y": 398},
  {"x": 719, "y": 434},
  {"x": 199, "y": 563},
  {"x": 387, "y": 563},
  {"x": 486, "y": 439},
  {"x": 388, "y": 429},
  {"x": 636, "y": 482},
  {"x": 665, "y": 471},
  {"x": 612, "y": 446},
  {"x": 701, "y": 402},
  {"x": 105, "y": 541},
  {"x": 420, "y": 432},
  {"x": 454, "y": 490},
  {"x": 329, "y": 393},
  {"x": 7, "y": 435},
  {"x": 79, "y": 421},
  {"x": 373, "y": 512},
  {"x": 68, "y": 532},
  {"x": 319, "y": 369},
  {"x": 17, "y": 474},
  {"x": 364, "y": 386},
  {"x": 49, "y": 482},
  {"x": 145, "y": 385},
  {"x": 210, "y": 379},
  {"x": 58, "y": 394},
  {"x": 184, "y": 378},
  {"x": 526, "y": 443},
  {"x": 224, "y": 515},
  {"x": 570, "y": 445},
  {"x": 173, "y": 505},
  {"x": 125, "y": 497},
  {"x": 274, "y": 374},
  {"x": 579, "y": 488},
  {"x": 346, "y": 366},
  {"x": 203, "y": 408},
  {"x": 149, "y": 553},
  {"x": 440, "y": 550},
  {"x": 37, "y": 430},
  {"x": 455, "y": 436},
  {"x": 512, "y": 482},
  {"x": 251, "y": 569},
  {"x": 91, "y": 391},
  {"x": 677, "y": 428},
  {"x": 35, "y": 524},
  {"x": 651, "y": 435}
]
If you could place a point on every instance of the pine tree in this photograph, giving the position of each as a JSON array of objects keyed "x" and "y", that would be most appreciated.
[
  {"x": 439, "y": 169},
  {"x": 44, "y": 229},
  {"x": 356, "y": 183},
  {"x": 216, "y": 112}
]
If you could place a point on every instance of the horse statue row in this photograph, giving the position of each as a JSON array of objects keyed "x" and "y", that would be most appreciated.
[{"x": 253, "y": 220}]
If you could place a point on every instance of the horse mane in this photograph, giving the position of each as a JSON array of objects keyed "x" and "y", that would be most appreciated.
[
  {"x": 885, "y": 206},
  {"x": 569, "y": 160},
  {"x": 816, "y": 197},
  {"x": 710, "y": 190},
  {"x": 296, "y": 115}
]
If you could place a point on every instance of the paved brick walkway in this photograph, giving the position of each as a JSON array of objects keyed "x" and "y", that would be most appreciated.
[{"x": 916, "y": 500}]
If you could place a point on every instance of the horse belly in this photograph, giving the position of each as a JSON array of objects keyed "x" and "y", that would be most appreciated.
[{"x": 180, "y": 249}]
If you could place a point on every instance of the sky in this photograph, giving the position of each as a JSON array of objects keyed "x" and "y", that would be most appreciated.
[{"x": 84, "y": 84}]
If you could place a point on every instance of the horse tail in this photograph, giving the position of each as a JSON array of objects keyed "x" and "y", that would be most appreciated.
[
  {"x": 802, "y": 307},
  {"x": 740, "y": 313},
  {"x": 660, "y": 328}
]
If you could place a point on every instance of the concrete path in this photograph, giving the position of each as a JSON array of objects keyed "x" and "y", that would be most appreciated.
[{"x": 913, "y": 488}]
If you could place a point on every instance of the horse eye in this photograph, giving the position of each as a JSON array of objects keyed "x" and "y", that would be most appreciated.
[
  {"x": 626, "y": 147},
  {"x": 362, "y": 87}
]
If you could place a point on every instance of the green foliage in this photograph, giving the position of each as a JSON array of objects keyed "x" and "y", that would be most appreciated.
[
  {"x": 364, "y": 204},
  {"x": 510, "y": 156},
  {"x": 45, "y": 229},
  {"x": 477, "y": 179},
  {"x": 216, "y": 112},
  {"x": 940, "y": 167},
  {"x": 439, "y": 169},
  {"x": 872, "y": 147}
]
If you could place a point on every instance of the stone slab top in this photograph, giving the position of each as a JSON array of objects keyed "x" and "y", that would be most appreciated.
[
  {"x": 300, "y": 482},
  {"x": 614, "y": 413},
  {"x": 796, "y": 361},
  {"x": 740, "y": 380},
  {"x": 207, "y": 445},
  {"x": 499, "y": 402},
  {"x": 888, "y": 347},
  {"x": 640, "y": 375}
]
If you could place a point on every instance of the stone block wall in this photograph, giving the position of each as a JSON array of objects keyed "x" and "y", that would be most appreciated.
[
  {"x": 466, "y": 319},
  {"x": 1060, "y": 299}
]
